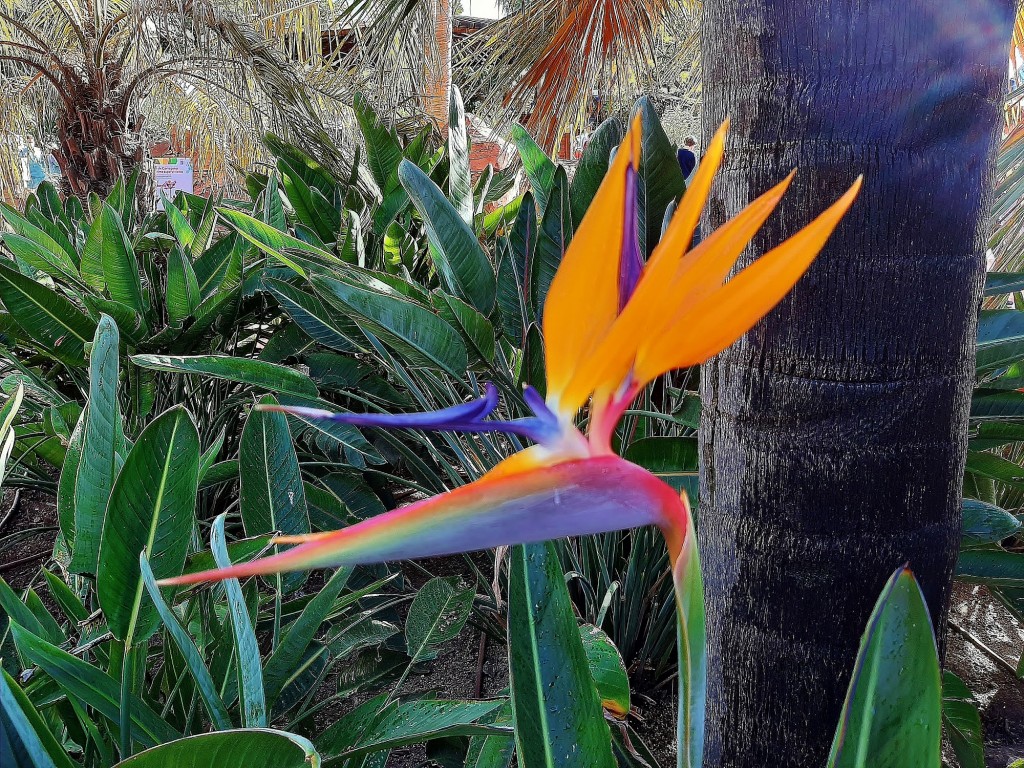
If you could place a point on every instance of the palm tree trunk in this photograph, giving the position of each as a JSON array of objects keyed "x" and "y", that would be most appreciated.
[
  {"x": 438, "y": 76},
  {"x": 834, "y": 435}
]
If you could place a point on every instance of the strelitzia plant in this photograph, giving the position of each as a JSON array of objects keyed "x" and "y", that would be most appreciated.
[{"x": 612, "y": 325}]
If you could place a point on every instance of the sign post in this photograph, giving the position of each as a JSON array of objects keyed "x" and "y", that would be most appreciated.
[{"x": 170, "y": 175}]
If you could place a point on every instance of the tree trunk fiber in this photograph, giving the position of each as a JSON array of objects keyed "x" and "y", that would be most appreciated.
[
  {"x": 438, "y": 76},
  {"x": 833, "y": 435}
]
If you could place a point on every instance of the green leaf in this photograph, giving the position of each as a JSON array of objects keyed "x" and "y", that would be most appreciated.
[
  {"x": 558, "y": 717},
  {"x": 101, "y": 447},
  {"x": 892, "y": 717},
  {"x": 36, "y": 741},
  {"x": 239, "y": 748},
  {"x": 44, "y": 233},
  {"x": 962, "y": 722},
  {"x": 495, "y": 750},
  {"x": 988, "y": 404},
  {"x": 309, "y": 314},
  {"x": 300, "y": 256},
  {"x": 109, "y": 248},
  {"x": 593, "y": 166},
  {"x": 272, "y": 496},
  {"x": 1000, "y": 339},
  {"x": 995, "y": 467},
  {"x": 66, "y": 486},
  {"x": 255, "y": 373},
  {"x": 300, "y": 633},
  {"x": 93, "y": 687},
  {"x": 986, "y": 523},
  {"x": 183, "y": 295},
  {"x": 659, "y": 179},
  {"x": 539, "y": 168},
  {"x": 461, "y": 261},
  {"x": 152, "y": 511},
  {"x": 994, "y": 567},
  {"x": 555, "y": 234},
  {"x": 437, "y": 615},
  {"x": 383, "y": 149},
  {"x": 247, "y": 651},
  {"x": 673, "y": 459},
  {"x": 608, "y": 669},
  {"x": 1002, "y": 283},
  {"x": 193, "y": 658},
  {"x": 475, "y": 327},
  {"x": 52, "y": 322},
  {"x": 180, "y": 226},
  {"x": 422, "y": 337},
  {"x": 369, "y": 729},
  {"x": 514, "y": 267},
  {"x": 36, "y": 256},
  {"x": 310, "y": 205},
  {"x": 460, "y": 189}
]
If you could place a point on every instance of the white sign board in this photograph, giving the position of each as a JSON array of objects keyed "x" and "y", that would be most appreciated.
[{"x": 171, "y": 175}]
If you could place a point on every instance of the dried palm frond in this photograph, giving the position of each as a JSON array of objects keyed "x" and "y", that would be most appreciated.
[
  {"x": 121, "y": 74},
  {"x": 546, "y": 64}
]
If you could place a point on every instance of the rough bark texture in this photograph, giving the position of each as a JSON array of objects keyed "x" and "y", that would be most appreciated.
[
  {"x": 834, "y": 434},
  {"x": 438, "y": 74}
]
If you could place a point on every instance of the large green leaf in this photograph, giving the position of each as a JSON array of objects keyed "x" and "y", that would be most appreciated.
[
  {"x": 46, "y": 235},
  {"x": 272, "y": 496},
  {"x": 328, "y": 328},
  {"x": 892, "y": 717},
  {"x": 419, "y": 335},
  {"x": 460, "y": 188},
  {"x": 659, "y": 179},
  {"x": 558, "y": 717},
  {"x": 1000, "y": 339},
  {"x": 101, "y": 447},
  {"x": 52, "y": 322},
  {"x": 193, "y": 658},
  {"x": 608, "y": 670},
  {"x": 239, "y": 748},
  {"x": 994, "y": 567},
  {"x": 183, "y": 296},
  {"x": 553, "y": 240},
  {"x": 152, "y": 511},
  {"x": 673, "y": 459},
  {"x": 383, "y": 148},
  {"x": 42, "y": 259},
  {"x": 1001, "y": 283},
  {"x": 92, "y": 687},
  {"x": 460, "y": 259},
  {"x": 539, "y": 168},
  {"x": 300, "y": 633},
  {"x": 962, "y": 722},
  {"x": 514, "y": 297},
  {"x": 33, "y": 745},
  {"x": 290, "y": 251},
  {"x": 311, "y": 207},
  {"x": 373, "y": 728},
  {"x": 255, "y": 373},
  {"x": 246, "y": 651},
  {"x": 986, "y": 523},
  {"x": 593, "y": 166},
  {"x": 108, "y": 247},
  {"x": 437, "y": 615}
]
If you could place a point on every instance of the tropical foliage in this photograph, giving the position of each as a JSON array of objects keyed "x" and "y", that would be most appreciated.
[{"x": 166, "y": 382}]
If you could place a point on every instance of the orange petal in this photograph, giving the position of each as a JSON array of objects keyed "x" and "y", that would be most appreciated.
[
  {"x": 698, "y": 273},
  {"x": 721, "y": 318},
  {"x": 584, "y": 296}
]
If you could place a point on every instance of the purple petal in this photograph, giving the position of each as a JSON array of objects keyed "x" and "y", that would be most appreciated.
[{"x": 630, "y": 262}]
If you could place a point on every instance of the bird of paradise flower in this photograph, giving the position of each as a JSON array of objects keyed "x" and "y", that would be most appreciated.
[{"x": 612, "y": 324}]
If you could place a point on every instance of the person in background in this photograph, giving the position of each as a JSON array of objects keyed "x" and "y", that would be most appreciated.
[
  {"x": 687, "y": 156},
  {"x": 33, "y": 165}
]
